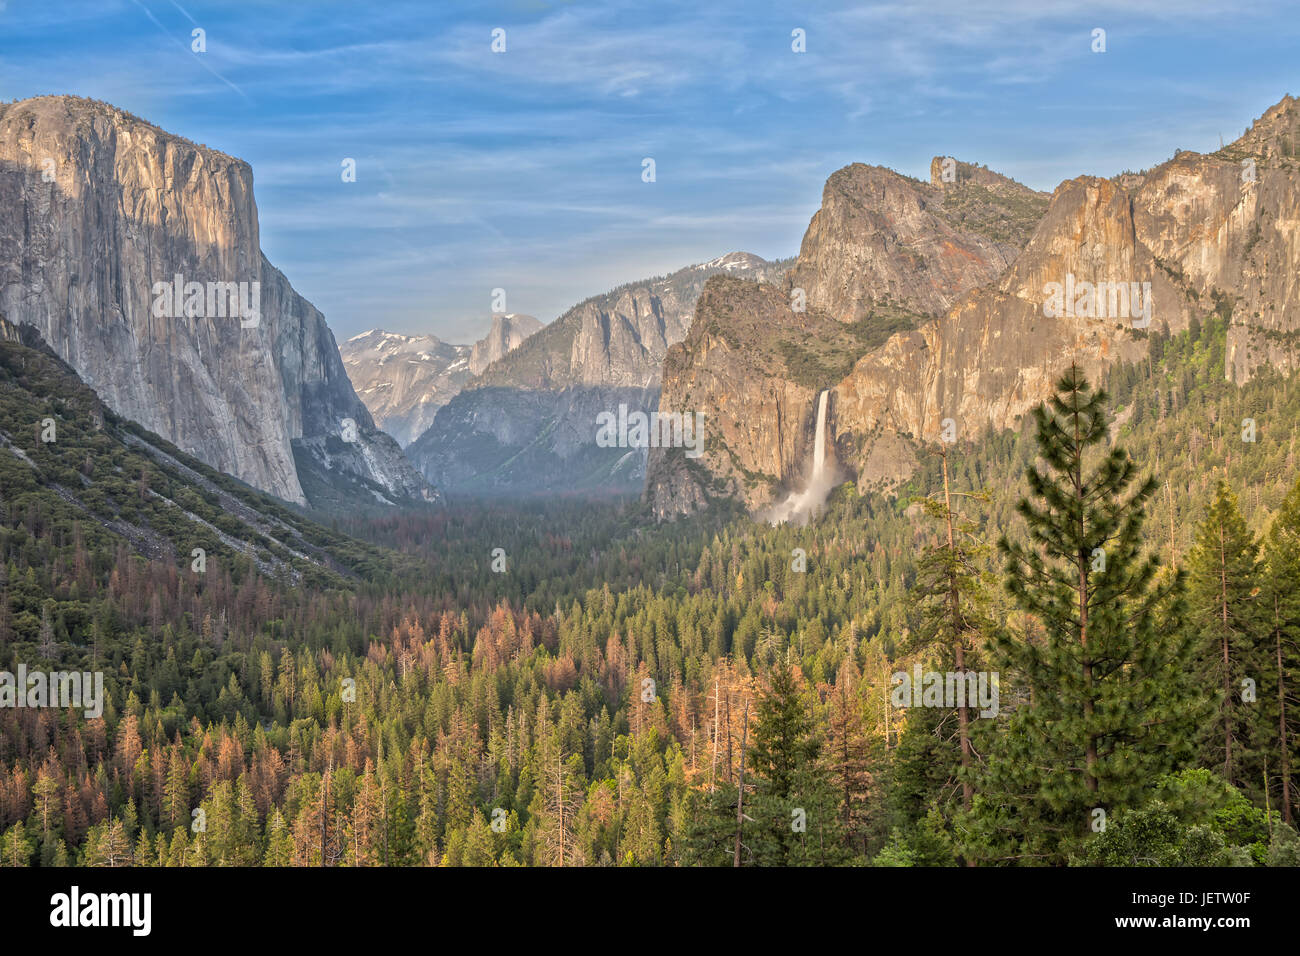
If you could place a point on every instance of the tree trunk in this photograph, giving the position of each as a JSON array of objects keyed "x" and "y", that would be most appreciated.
[
  {"x": 959, "y": 639},
  {"x": 1090, "y": 757},
  {"x": 1173, "y": 554},
  {"x": 740, "y": 791},
  {"x": 1281, "y": 720},
  {"x": 324, "y": 809},
  {"x": 1227, "y": 673},
  {"x": 559, "y": 799},
  {"x": 713, "y": 770}
]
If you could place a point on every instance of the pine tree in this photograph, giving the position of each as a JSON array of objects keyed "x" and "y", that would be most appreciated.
[
  {"x": 178, "y": 853},
  {"x": 362, "y": 830},
  {"x": 796, "y": 811},
  {"x": 47, "y": 648},
  {"x": 852, "y": 755},
  {"x": 145, "y": 854},
  {"x": 44, "y": 789},
  {"x": 15, "y": 847},
  {"x": 712, "y": 827},
  {"x": 1109, "y": 707},
  {"x": 1280, "y": 726},
  {"x": 557, "y": 804},
  {"x": 479, "y": 846},
  {"x": 1224, "y": 614},
  {"x": 923, "y": 776},
  {"x": 107, "y": 844},
  {"x": 950, "y": 622},
  {"x": 279, "y": 841},
  {"x": 176, "y": 793}
]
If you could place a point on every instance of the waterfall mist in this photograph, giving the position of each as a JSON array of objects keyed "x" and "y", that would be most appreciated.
[{"x": 802, "y": 505}]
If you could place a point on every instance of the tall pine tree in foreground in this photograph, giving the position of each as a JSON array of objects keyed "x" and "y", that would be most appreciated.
[{"x": 1109, "y": 707}]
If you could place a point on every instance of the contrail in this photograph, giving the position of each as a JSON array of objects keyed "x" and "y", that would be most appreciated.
[{"x": 150, "y": 15}]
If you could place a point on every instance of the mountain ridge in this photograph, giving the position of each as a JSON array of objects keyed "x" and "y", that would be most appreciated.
[{"x": 404, "y": 379}]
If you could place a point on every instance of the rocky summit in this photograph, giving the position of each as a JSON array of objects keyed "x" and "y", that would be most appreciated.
[
  {"x": 883, "y": 239},
  {"x": 508, "y": 332}
]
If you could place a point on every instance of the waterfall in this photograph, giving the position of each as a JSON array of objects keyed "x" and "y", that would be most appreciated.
[
  {"x": 819, "y": 443},
  {"x": 800, "y": 505}
]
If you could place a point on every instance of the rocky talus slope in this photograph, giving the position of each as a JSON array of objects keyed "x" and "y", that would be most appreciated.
[{"x": 124, "y": 486}]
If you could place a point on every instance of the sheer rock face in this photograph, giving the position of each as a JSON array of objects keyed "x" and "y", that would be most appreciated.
[
  {"x": 405, "y": 379},
  {"x": 1202, "y": 233},
  {"x": 881, "y": 245},
  {"x": 996, "y": 354},
  {"x": 757, "y": 420},
  {"x": 623, "y": 343},
  {"x": 881, "y": 238},
  {"x": 508, "y": 332},
  {"x": 620, "y": 338},
  {"x": 98, "y": 207},
  {"x": 1229, "y": 223}
]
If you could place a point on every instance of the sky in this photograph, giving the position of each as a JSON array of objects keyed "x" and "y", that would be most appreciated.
[{"x": 522, "y": 170}]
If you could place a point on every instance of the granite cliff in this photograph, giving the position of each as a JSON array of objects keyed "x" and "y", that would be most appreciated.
[
  {"x": 135, "y": 254},
  {"x": 883, "y": 239},
  {"x": 1199, "y": 234},
  {"x": 508, "y": 332}
]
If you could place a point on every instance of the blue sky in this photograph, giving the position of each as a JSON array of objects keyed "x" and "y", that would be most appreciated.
[{"x": 522, "y": 170}]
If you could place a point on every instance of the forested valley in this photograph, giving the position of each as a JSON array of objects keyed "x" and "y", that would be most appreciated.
[{"x": 569, "y": 683}]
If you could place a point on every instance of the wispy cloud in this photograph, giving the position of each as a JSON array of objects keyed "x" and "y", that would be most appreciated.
[{"x": 523, "y": 169}]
